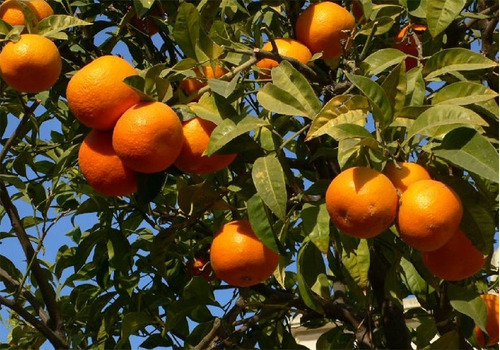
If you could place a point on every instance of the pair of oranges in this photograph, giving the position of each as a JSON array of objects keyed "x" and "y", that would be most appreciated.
[
  {"x": 363, "y": 202},
  {"x": 33, "y": 63},
  {"x": 131, "y": 136}
]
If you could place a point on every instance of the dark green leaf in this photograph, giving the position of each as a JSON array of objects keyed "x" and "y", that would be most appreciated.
[
  {"x": 187, "y": 29},
  {"x": 309, "y": 266},
  {"x": 260, "y": 222},
  {"x": 316, "y": 225},
  {"x": 440, "y": 14},
  {"x": 469, "y": 303}
]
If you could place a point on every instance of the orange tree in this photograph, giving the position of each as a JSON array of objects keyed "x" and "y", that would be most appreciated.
[{"x": 138, "y": 272}]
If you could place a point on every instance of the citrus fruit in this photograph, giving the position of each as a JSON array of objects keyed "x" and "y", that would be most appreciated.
[
  {"x": 429, "y": 214},
  {"x": 407, "y": 174},
  {"x": 358, "y": 11},
  {"x": 239, "y": 258},
  {"x": 12, "y": 13},
  {"x": 97, "y": 95},
  {"x": 491, "y": 301},
  {"x": 323, "y": 26},
  {"x": 148, "y": 137},
  {"x": 406, "y": 43},
  {"x": 102, "y": 168},
  {"x": 32, "y": 64},
  {"x": 362, "y": 202},
  {"x": 286, "y": 47},
  {"x": 200, "y": 266},
  {"x": 191, "y": 85},
  {"x": 191, "y": 160},
  {"x": 146, "y": 23},
  {"x": 456, "y": 260}
]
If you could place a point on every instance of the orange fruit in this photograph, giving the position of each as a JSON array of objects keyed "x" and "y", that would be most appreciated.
[
  {"x": 200, "y": 266},
  {"x": 407, "y": 174},
  {"x": 148, "y": 137},
  {"x": 491, "y": 301},
  {"x": 32, "y": 64},
  {"x": 456, "y": 260},
  {"x": 407, "y": 44},
  {"x": 358, "y": 11},
  {"x": 362, "y": 202},
  {"x": 429, "y": 214},
  {"x": 102, "y": 168},
  {"x": 12, "y": 13},
  {"x": 286, "y": 47},
  {"x": 146, "y": 23},
  {"x": 191, "y": 85},
  {"x": 191, "y": 160},
  {"x": 323, "y": 26},
  {"x": 239, "y": 258},
  {"x": 97, "y": 95}
]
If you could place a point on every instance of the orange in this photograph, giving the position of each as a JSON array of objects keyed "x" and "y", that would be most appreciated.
[
  {"x": 13, "y": 14},
  {"x": 407, "y": 44},
  {"x": 323, "y": 26},
  {"x": 102, "y": 168},
  {"x": 456, "y": 260},
  {"x": 146, "y": 23},
  {"x": 407, "y": 174},
  {"x": 358, "y": 11},
  {"x": 148, "y": 137},
  {"x": 429, "y": 214},
  {"x": 491, "y": 301},
  {"x": 197, "y": 133},
  {"x": 239, "y": 258},
  {"x": 200, "y": 266},
  {"x": 286, "y": 47},
  {"x": 32, "y": 64},
  {"x": 191, "y": 85},
  {"x": 97, "y": 95},
  {"x": 362, "y": 202}
]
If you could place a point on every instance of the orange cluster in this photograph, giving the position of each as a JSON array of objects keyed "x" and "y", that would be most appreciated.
[
  {"x": 131, "y": 136},
  {"x": 33, "y": 63},
  {"x": 363, "y": 203}
]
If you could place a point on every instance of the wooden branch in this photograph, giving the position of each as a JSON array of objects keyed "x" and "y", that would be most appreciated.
[
  {"x": 27, "y": 295},
  {"x": 46, "y": 290},
  {"x": 53, "y": 337}
]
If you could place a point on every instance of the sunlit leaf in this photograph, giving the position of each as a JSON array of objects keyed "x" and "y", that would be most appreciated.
[{"x": 269, "y": 180}]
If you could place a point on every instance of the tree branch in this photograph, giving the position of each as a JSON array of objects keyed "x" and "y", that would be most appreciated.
[
  {"x": 46, "y": 290},
  {"x": 54, "y": 338}
]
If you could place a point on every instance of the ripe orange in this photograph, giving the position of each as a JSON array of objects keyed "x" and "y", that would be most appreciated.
[
  {"x": 407, "y": 44},
  {"x": 407, "y": 174},
  {"x": 148, "y": 137},
  {"x": 97, "y": 95},
  {"x": 358, "y": 11},
  {"x": 456, "y": 260},
  {"x": 32, "y": 64},
  {"x": 286, "y": 47},
  {"x": 200, "y": 266},
  {"x": 102, "y": 168},
  {"x": 12, "y": 13},
  {"x": 197, "y": 133},
  {"x": 492, "y": 324},
  {"x": 361, "y": 202},
  {"x": 191, "y": 85},
  {"x": 239, "y": 258},
  {"x": 429, "y": 214},
  {"x": 323, "y": 26}
]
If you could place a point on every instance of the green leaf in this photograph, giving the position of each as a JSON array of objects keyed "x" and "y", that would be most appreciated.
[
  {"x": 289, "y": 94},
  {"x": 132, "y": 322},
  {"x": 51, "y": 26},
  {"x": 450, "y": 340},
  {"x": 395, "y": 87},
  {"x": 316, "y": 225},
  {"x": 260, "y": 222},
  {"x": 469, "y": 303},
  {"x": 223, "y": 88},
  {"x": 463, "y": 93},
  {"x": 384, "y": 24},
  {"x": 380, "y": 60},
  {"x": 415, "y": 87},
  {"x": 187, "y": 29},
  {"x": 348, "y": 131},
  {"x": 309, "y": 265},
  {"x": 228, "y": 130},
  {"x": 412, "y": 279},
  {"x": 453, "y": 60},
  {"x": 339, "y": 110},
  {"x": 381, "y": 107},
  {"x": 357, "y": 263},
  {"x": 269, "y": 180},
  {"x": 434, "y": 118},
  {"x": 440, "y": 14},
  {"x": 468, "y": 150}
]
